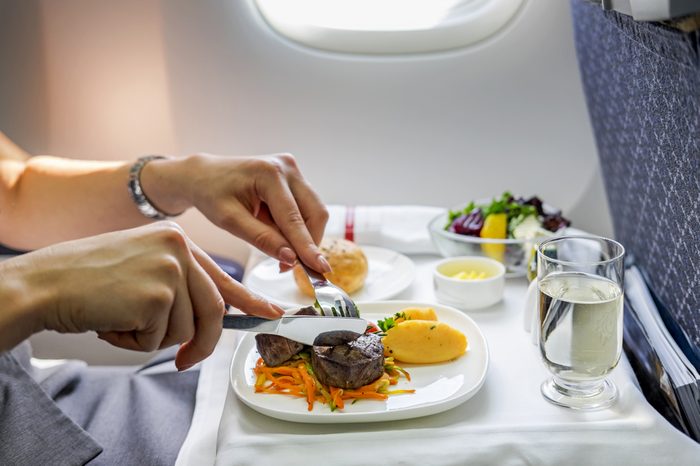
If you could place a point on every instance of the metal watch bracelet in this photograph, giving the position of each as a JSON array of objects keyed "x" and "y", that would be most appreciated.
[{"x": 136, "y": 191}]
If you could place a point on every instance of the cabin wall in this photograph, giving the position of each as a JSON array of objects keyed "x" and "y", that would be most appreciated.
[{"x": 107, "y": 80}]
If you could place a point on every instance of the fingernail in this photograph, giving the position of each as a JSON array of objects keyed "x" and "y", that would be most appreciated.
[
  {"x": 325, "y": 266},
  {"x": 184, "y": 368},
  {"x": 276, "y": 309},
  {"x": 287, "y": 255}
]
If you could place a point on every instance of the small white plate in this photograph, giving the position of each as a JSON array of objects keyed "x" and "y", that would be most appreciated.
[
  {"x": 389, "y": 273},
  {"x": 438, "y": 387}
]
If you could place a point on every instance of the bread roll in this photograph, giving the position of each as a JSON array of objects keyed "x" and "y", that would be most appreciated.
[{"x": 348, "y": 262}]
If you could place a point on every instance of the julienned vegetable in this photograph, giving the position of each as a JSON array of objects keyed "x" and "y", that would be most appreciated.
[
  {"x": 502, "y": 217},
  {"x": 296, "y": 378}
]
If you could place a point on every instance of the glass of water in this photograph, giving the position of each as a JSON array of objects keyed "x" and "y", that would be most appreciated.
[{"x": 580, "y": 297}]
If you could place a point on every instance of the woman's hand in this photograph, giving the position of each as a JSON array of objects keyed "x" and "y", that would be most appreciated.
[
  {"x": 263, "y": 200},
  {"x": 140, "y": 289}
]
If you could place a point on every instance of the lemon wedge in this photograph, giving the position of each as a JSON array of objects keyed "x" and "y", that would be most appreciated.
[{"x": 495, "y": 226}]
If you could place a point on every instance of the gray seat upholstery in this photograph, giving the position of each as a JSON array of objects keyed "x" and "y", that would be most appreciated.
[{"x": 642, "y": 84}]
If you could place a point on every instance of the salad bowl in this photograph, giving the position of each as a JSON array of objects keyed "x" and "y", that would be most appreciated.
[{"x": 514, "y": 251}]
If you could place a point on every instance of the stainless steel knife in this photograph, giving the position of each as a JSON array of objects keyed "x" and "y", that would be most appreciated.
[{"x": 303, "y": 329}]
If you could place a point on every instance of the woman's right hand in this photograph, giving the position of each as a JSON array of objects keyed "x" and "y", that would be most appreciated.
[{"x": 140, "y": 289}]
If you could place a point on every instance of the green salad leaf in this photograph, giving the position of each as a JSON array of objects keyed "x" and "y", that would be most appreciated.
[{"x": 517, "y": 211}]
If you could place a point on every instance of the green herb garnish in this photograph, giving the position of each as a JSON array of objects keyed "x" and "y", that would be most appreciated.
[
  {"x": 386, "y": 324},
  {"x": 390, "y": 322}
]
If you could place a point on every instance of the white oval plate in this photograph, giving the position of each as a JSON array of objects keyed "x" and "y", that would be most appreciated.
[
  {"x": 438, "y": 387},
  {"x": 389, "y": 273}
]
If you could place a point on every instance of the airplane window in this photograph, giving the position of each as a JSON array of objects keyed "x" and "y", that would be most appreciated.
[{"x": 387, "y": 26}]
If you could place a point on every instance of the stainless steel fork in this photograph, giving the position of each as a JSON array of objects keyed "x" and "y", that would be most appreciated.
[{"x": 332, "y": 300}]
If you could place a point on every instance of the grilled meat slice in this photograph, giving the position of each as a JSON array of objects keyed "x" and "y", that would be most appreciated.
[
  {"x": 337, "y": 337},
  {"x": 276, "y": 350},
  {"x": 307, "y": 311},
  {"x": 349, "y": 365}
]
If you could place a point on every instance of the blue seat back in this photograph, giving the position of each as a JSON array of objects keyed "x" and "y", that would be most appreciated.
[{"x": 642, "y": 84}]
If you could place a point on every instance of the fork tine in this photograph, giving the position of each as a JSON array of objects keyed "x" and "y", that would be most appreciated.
[
  {"x": 349, "y": 308},
  {"x": 332, "y": 300},
  {"x": 340, "y": 304}
]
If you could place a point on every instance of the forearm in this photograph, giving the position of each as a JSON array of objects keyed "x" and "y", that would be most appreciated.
[
  {"x": 48, "y": 200},
  {"x": 11, "y": 151},
  {"x": 20, "y": 305}
]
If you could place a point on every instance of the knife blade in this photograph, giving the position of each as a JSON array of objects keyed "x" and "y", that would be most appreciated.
[{"x": 303, "y": 329}]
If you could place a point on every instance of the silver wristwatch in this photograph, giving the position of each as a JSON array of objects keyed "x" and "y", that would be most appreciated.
[{"x": 136, "y": 192}]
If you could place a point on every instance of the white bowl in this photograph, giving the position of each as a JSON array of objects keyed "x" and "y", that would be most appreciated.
[{"x": 469, "y": 294}]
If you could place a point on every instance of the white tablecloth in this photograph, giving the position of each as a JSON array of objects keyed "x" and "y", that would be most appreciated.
[{"x": 506, "y": 422}]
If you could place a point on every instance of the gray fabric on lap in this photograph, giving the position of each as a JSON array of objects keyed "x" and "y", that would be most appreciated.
[
  {"x": 137, "y": 415},
  {"x": 139, "y": 418},
  {"x": 32, "y": 428}
]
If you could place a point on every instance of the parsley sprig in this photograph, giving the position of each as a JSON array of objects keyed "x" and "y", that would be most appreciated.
[{"x": 391, "y": 322}]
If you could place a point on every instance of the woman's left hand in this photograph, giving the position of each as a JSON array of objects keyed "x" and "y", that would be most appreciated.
[{"x": 264, "y": 200}]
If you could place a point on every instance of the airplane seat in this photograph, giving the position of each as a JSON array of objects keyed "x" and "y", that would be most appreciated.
[{"x": 642, "y": 85}]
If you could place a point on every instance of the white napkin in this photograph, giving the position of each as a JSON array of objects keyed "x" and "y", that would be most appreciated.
[
  {"x": 400, "y": 228},
  {"x": 199, "y": 446}
]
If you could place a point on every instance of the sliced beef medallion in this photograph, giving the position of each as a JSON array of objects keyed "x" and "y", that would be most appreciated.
[
  {"x": 276, "y": 350},
  {"x": 336, "y": 337},
  {"x": 349, "y": 365}
]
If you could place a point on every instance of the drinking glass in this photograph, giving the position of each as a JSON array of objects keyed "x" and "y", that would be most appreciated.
[{"x": 580, "y": 298}]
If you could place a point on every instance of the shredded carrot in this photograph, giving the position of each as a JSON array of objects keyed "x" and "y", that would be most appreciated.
[
  {"x": 309, "y": 385},
  {"x": 296, "y": 378}
]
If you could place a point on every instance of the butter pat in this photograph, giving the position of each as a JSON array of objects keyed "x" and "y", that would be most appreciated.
[
  {"x": 471, "y": 275},
  {"x": 469, "y": 282}
]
